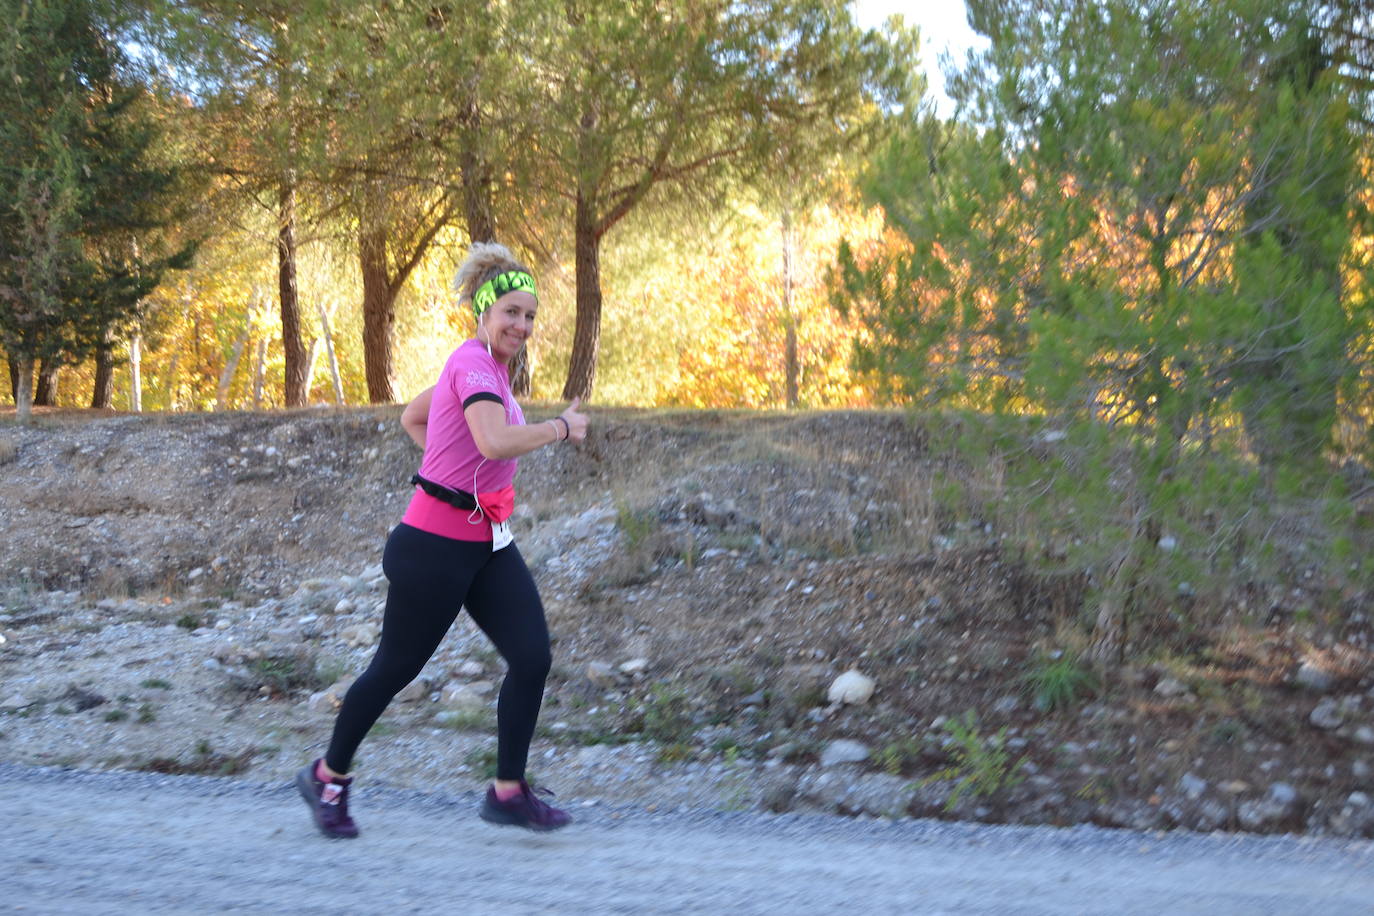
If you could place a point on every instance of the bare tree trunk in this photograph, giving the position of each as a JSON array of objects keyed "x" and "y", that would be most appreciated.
[
  {"x": 788, "y": 315},
  {"x": 293, "y": 349},
  {"x": 226, "y": 377},
  {"x": 172, "y": 391},
  {"x": 587, "y": 334},
  {"x": 46, "y": 394},
  {"x": 260, "y": 373},
  {"x": 102, "y": 390},
  {"x": 379, "y": 317},
  {"x": 329, "y": 352},
  {"x": 23, "y": 389},
  {"x": 312, "y": 359},
  {"x": 477, "y": 208},
  {"x": 136, "y": 373},
  {"x": 14, "y": 376}
]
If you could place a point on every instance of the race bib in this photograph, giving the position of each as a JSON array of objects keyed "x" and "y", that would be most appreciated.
[{"x": 501, "y": 535}]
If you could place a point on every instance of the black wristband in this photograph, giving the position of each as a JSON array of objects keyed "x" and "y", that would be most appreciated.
[{"x": 567, "y": 430}]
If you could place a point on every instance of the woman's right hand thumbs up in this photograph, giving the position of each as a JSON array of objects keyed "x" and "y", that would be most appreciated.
[{"x": 576, "y": 420}]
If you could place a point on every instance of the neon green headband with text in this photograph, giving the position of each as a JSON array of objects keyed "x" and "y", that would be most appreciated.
[{"x": 498, "y": 286}]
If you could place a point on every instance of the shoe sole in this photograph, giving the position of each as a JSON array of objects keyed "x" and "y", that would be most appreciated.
[
  {"x": 501, "y": 819},
  {"x": 306, "y": 786}
]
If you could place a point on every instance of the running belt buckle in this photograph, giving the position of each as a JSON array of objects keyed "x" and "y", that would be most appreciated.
[{"x": 456, "y": 498}]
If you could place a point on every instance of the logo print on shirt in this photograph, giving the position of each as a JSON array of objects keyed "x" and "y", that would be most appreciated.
[{"x": 480, "y": 379}]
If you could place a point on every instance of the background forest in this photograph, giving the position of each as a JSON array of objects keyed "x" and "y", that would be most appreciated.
[{"x": 1132, "y": 264}]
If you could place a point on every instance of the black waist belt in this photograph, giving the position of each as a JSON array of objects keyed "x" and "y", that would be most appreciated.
[{"x": 459, "y": 499}]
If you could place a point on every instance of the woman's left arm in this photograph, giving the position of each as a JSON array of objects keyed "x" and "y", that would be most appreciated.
[{"x": 415, "y": 417}]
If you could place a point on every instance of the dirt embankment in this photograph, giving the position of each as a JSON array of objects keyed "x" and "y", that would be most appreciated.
[{"x": 708, "y": 577}]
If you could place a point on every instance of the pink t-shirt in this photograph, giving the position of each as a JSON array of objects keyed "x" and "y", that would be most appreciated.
[{"x": 451, "y": 455}]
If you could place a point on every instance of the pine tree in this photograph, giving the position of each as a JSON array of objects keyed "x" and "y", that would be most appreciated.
[{"x": 77, "y": 190}]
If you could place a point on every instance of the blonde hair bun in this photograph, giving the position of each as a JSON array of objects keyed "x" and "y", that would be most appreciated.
[{"x": 484, "y": 261}]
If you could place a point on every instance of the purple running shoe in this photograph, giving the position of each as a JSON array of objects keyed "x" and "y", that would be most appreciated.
[
  {"x": 328, "y": 803},
  {"x": 524, "y": 810}
]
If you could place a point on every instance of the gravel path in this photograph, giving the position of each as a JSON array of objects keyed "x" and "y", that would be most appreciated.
[{"x": 84, "y": 842}]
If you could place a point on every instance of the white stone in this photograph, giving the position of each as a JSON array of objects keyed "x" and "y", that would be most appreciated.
[
  {"x": 468, "y": 669},
  {"x": 1192, "y": 786},
  {"x": 413, "y": 692},
  {"x": 1364, "y": 735},
  {"x": 851, "y": 687},
  {"x": 345, "y": 606},
  {"x": 844, "y": 750},
  {"x": 361, "y": 636},
  {"x": 635, "y": 666},
  {"x": 1312, "y": 677},
  {"x": 324, "y": 701},
  {"x": 1171, "y": 687},
  {"x": 1327, "y": 715},
  {"x": 15, "y": 701},
  {"x": 601, "y": 674},
  {"x": 461, "y": 696}
]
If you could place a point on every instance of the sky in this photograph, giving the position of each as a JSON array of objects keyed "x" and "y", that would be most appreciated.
[{"x": 943, "y": 27}]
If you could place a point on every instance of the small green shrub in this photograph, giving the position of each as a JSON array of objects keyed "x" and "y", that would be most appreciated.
[
  {"x": 205, "y": 762},
  {"x": 116, "y": 715},
  {"x": 147, "y": 713},
  {"x": 189, "y": 622},
  {"x": 157, "y": 683},
  {"x": 667, "y": 715},
  {"x": 637, "y": 526},
  {"x": 285, "y": 672},
  {"x": 675, "y": 752},
  {"x": 470, "y": 719},
  {"x": 898, "y": 756},
  {"x": 1058, "y": 681},
  {"x": 982, "y": 765},
  {"x": 483, "y": 760}
]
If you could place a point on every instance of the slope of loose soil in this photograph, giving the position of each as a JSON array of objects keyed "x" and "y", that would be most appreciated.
[{"x": 744, "y": 560}]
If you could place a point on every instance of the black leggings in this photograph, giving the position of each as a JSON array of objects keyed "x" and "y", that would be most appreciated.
[{"x": 430, "y": 577}]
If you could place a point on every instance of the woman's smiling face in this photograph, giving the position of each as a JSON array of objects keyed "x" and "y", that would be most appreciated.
[{"x": 508, "y": 323}]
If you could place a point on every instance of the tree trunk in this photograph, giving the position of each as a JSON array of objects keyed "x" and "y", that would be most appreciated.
[
  {"x": 136, "y": 373},
  {"x": 260, "y": 373},
  {"x": 587, "y": 335},
  {"x": 379, "y": 317},
  {"x": 293, "y": 349},
  {"x": 23, "y": 388},
  {"x": 788, "y": 315},
  {"x": 477, "y": 208},
  {"x": 172, "y": 392},
  {"x": 14, "y": 376},
  {"x": 226, "y": 377},
  {"x": 102, "y": 391},
  {"x": 46, "y": 395},
  {"x": 329, "y": 352}
]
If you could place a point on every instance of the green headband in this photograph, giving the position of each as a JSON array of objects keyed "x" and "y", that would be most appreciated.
[{"x": 498, "y": 286}]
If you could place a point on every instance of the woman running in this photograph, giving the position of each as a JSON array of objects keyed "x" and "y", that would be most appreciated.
[{"x": 453, "y": 549}]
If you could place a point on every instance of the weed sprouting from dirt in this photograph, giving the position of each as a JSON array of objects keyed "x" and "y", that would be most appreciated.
[
  {"x": 982, "y": 764},
  {"x": 1058, "y": 680},
  {"x": 204, "y": 762},
  {"x": 667, "y": 715},
  {"x": 283, "y": 673}
]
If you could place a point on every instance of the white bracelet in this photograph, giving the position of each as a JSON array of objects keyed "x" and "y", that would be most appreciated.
[{"x": 556, "y": 437}]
